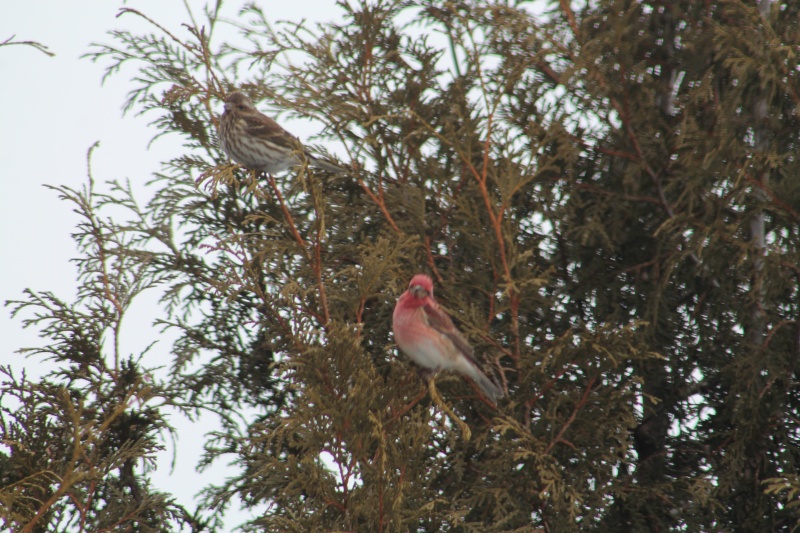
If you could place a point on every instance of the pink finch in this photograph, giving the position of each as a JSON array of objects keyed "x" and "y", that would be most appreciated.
[
  {"x": 427, "y": 335},
  {"x": 257, "y": 142}
]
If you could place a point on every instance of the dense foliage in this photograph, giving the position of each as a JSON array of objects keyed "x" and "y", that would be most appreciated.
[{"x": 606, "y": 196}]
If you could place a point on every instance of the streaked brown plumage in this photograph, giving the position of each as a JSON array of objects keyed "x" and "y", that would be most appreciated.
[{"x": 257, "y": 142}]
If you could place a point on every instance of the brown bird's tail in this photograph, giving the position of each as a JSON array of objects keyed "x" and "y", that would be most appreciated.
[{"x": 321, "y": 164}]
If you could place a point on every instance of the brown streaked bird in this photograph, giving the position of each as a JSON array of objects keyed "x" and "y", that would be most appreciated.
[
  {"x": 427, "y": 335},
  {"x": 257, "y": 142}
]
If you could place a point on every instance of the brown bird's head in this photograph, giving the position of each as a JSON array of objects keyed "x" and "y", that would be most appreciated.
[
  {"x": 421, "y": 286},
  {"x": 239, "y": 104}
]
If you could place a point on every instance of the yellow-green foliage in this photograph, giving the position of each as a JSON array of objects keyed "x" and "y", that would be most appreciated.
[{"x": 606, "y": 196}]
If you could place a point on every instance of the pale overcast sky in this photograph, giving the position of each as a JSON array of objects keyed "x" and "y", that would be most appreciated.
[{"x": 52, "y": 109}]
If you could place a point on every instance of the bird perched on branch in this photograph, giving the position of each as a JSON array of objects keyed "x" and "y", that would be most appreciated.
[
  {"x": 257, "y": 142},
  {"x": 427, "y": 335}
]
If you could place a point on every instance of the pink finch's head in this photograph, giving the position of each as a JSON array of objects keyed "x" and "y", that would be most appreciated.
[{"x": 421, "y": 286}]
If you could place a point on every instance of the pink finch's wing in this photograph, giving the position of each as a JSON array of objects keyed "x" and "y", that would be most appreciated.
[{"x": 441, "y": 322}]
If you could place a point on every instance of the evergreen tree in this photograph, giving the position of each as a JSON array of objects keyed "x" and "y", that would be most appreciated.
[{"x": 606, "y": 197}]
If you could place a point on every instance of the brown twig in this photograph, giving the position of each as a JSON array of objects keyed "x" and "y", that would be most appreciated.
[
  {"x": 286, "y": 214},
  {"x": 565, "y": 7},
  {"x": 407, "y": 408},
  {"x": 571, "y": 419},
  {"x": 496, "y": 221},
  {"x": 431, "y": 262},
  {"x": 381, "y": 205}
]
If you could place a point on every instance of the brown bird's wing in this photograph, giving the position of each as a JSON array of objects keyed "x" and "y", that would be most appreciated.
[
  {"x": 441, "y": 322},
  {"x": 265, "y": 128}
]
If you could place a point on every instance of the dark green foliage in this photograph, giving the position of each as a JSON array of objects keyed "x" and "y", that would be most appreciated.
[{"x": 607, "y": 200}]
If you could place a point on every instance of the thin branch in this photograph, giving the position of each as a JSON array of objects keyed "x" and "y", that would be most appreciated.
[
  {"x": 39, "y": 46},
  {"x": 571, "y": 419},
  {"x": 381, "y": 205},
  {"x": 286, "y": 214}
]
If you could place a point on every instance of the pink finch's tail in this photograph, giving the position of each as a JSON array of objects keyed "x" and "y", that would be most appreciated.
[{"x": 492, "y": 391}]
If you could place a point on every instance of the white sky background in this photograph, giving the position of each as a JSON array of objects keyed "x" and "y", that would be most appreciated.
[{"x": 52, "y": 109}]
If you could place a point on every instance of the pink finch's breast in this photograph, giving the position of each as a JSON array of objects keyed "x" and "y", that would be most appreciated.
[{"x": 421, "y": 343}]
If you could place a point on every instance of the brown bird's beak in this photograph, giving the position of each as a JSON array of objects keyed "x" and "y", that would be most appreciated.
[{"x": 417, "y": 291}]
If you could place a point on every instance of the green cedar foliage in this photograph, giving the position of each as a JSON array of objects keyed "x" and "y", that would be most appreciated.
[{"x": 606, "y": 196}]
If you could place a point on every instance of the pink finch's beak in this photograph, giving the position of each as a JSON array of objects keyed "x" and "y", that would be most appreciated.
[{"x": 418, "y": 291}]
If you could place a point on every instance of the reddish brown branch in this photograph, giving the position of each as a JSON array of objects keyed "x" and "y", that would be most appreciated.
[
  {"x": 323, "y": 297},
  {"x": 381, "y": 205},
  {"x": 407, "y": 408},
  {"x": 286, "y": 214},
  {"x": 496, "y": 221},
  {"x": 431, "y": 263},
  {"x": 571, "y": 419},
  {"x": 565, "y": 7},
  {"x": 775, "y": 200},
  {"x": 549, "y": 385},
  {"x": 338, "y": 505}
]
